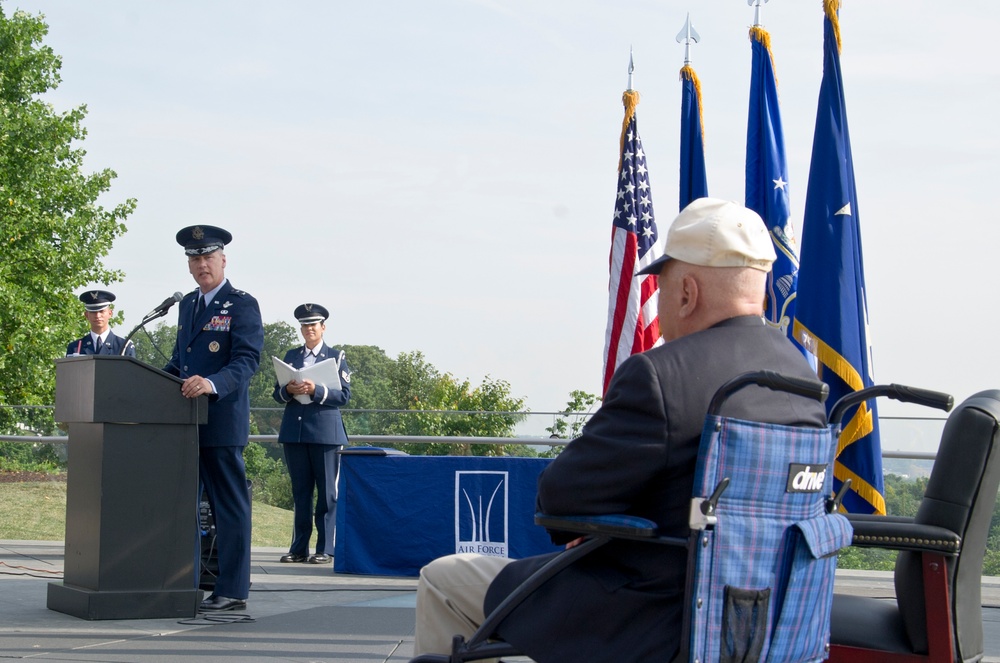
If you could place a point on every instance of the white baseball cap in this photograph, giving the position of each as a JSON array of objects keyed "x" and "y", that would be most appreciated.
[{"x": 717, "y": 233}]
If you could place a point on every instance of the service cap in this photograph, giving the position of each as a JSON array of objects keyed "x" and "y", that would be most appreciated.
[
  {"x": 308, "y": 314},
  {"x": 96, "y": 300},
  {"x": 201, "y": 240}
]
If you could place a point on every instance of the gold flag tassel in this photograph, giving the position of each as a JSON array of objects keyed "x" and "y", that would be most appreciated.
[
  {"x": 831, "y": 8},
  {"x": 687, "y": 74},
  {"x": 758, "y": 33},
  {"x": 630, "y": 99}
]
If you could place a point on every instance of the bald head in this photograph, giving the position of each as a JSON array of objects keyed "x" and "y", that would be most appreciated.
[{"x": 693, "y": 298}]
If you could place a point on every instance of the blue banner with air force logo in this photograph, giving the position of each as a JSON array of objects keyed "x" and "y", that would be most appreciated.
[
  {"x": 397, "y": 513},
  {"x": 481, "y": 523}
]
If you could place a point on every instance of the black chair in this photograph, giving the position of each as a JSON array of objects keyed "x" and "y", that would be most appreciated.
[{"x": 937, "y": 615}]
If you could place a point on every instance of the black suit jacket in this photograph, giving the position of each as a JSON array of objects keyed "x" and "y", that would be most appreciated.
[{"x": 637, "y": 456}]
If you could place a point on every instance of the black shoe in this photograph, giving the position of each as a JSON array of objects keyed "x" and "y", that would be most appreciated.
[
  {"x": 292, "y": 558},
  {"x": 320, "y": 558},
  {"x": 221, "y": 604}
]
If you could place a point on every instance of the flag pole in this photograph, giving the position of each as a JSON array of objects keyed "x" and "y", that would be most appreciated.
[
  {"x": 631, "y": 68},
  {"x": 630, "y": 99},
  {"x": 756, "y": 4},
  {"x": 687, "y": 36}
]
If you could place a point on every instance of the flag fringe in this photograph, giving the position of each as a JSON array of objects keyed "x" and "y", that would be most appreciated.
[
  {"x": 687, "y": 73},
  {"x": 864, "y": 489},
  {"x": 828, "y": 356},
  {"x": 831, "y": 8},
  {"x": 860, "y": 425},
  {"x": 630, "y": 99},
  {"x": 758, "y": 33}
]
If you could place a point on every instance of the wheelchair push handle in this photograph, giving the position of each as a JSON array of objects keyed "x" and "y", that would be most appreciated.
[
  {"x": 896, "y": 392},
  {"x": 799, "y": 386}
]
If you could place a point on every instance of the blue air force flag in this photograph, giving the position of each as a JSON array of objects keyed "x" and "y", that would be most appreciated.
[
  {"x": 831, "y": 317},
  {"x": 694, "y": 181},
  {"x": 767, "y": 182}
]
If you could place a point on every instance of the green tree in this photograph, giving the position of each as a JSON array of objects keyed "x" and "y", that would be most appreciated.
[
  {"x": 154, "y": 346},
  {"x": 477, "y": 412},
  {"x": 53, "y": 231},
  {"x": 413, "y": 381},
  {"x": 570, "y": 421},
  {"x": 371, "y": 390},
  {"x": 409, "y": 396},
  {"x": 279, "y": 337}
]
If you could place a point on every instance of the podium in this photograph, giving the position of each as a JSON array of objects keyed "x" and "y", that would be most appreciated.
[{"x": 132, "y": 545}]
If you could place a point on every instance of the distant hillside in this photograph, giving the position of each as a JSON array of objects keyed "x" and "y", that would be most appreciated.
[{"x": 907, "y": 467}]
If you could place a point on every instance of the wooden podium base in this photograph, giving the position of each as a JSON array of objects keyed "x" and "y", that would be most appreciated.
[{"x": 91, "y": 604}]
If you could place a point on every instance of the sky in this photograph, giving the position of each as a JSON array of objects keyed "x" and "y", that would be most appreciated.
[{"x": 441, "y": 174}]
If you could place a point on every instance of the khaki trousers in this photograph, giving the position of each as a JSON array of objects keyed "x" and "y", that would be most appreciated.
[{"x": 450, "y": 596}]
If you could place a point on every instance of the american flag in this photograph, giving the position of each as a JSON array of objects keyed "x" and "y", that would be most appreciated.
[{"x": 633, "y": 325}]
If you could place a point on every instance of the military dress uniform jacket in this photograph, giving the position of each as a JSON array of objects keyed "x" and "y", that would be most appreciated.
[
  {"x": 112, "y": 346},
  {"x": 224, "y": 346},
  {"x": 318, "y": 422},
  {"x": 636, "y": 455}
]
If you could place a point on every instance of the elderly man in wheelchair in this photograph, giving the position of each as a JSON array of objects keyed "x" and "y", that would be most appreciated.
[
  {"x": 637, "y": 456},
  {"x": 739, "y": 501}
]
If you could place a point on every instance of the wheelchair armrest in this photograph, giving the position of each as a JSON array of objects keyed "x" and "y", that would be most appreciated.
[
  {"x": 870, "y": 517},
  {"x": 599, "y": 530},
  {"x": 897, "y": 533},
  {"x": 614, "y": 526}
]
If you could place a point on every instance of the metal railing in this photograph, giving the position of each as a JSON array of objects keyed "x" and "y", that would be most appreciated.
[{"x": 902, "y": 438}]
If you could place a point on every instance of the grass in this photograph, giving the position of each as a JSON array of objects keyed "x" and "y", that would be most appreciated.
[{"x": 36, "y": 511}]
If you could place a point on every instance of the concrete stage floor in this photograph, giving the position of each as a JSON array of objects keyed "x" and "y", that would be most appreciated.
[{"x": 296, "y": 612}]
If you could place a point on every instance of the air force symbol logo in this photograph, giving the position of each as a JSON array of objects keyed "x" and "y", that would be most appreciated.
[{"x": 481, "y": 500}]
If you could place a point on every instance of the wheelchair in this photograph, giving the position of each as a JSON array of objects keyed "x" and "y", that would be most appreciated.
[{"x": 763, "y": 483}]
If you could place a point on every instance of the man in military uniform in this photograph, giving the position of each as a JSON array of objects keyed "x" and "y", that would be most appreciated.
[
  {"x": 219, "y": 340},
  {"x": 99, "y": 310}
]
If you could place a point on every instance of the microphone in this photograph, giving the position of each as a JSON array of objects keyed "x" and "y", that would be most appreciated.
[
  {"x": 157, "y": 312},
  {"x": 165, "y": 306}
]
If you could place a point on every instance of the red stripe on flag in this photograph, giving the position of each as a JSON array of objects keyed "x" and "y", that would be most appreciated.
[
  {"x": 619, "y": 311},
  {"x": 646, "y": 335}
]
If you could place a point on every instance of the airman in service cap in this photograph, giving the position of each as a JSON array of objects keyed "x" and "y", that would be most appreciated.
[
  {"x": 310, "y": 314},
  {"x": 201, "y": 240},
  {"x": 96, "y": 300}
]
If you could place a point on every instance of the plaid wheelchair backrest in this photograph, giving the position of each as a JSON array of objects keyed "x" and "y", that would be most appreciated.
[{"x": 763, "y": 575}]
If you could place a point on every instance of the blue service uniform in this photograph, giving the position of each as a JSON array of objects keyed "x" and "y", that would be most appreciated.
[
  {"x": 312, "y": 435},
  {"x": 223, "y": 345},
  {"x": 113, "y": 345}
]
